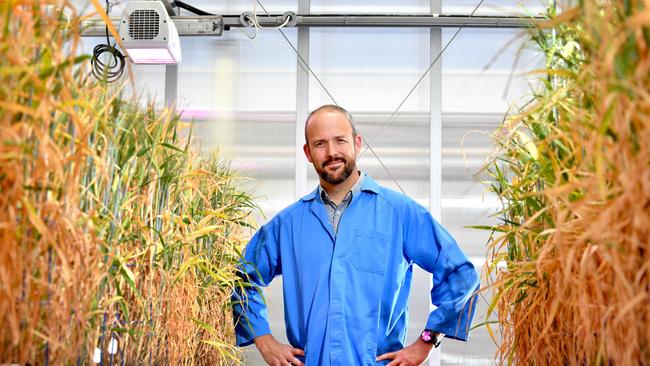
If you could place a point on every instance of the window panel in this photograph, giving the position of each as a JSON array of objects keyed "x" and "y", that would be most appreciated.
[
  {"x": 241, "y": 94},
  {"x": 369, "y": 6},
  {"x": 493, "y": 7},
  {"x": 483, "y": 76}
]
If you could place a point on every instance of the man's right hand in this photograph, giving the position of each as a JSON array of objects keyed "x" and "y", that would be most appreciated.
[{"x": 276, "y": 353}]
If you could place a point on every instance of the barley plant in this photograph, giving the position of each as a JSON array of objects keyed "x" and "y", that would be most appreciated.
[
  {"x": 118, "y": 243},
  {"x": 570, "y": 266}
]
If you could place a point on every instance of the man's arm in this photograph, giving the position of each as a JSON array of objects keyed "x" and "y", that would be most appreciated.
[
  {"x": 260, "y": 264},
  {"x": 455, "y": 280}
]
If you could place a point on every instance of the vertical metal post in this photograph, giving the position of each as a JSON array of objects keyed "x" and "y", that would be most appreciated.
[
  {"x": 171, "y": 85},
  {"x": 171, "y": 71},
  {"x": 435, "y": 172},
  {"x": 302, "y": 104}
]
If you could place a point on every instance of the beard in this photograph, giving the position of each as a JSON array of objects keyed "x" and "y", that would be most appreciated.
[{"x": 333, "y": 178}]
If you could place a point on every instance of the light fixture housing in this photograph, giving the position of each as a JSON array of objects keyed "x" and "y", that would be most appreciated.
[{"x": 148, "y": 34}]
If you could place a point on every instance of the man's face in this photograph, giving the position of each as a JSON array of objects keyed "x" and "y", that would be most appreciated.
[{"x": 331, "y": 148}]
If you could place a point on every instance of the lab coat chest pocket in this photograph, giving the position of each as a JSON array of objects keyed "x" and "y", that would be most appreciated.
[{"x": 370, "y": 251}]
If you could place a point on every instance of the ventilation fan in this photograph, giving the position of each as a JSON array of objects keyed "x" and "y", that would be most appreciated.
[{"x": 148, "y": 33}]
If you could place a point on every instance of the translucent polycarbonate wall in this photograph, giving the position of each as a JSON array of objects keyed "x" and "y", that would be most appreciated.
[
  {"x": 244, "y": 99},
  {"x": 494, "y": 7},
  {"x": 483, "y": 77},
  {"x": 370, "y": 71},
  {"x": 241, "y": 96}
]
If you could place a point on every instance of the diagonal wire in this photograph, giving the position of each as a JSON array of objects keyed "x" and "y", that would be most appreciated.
[
  {"x": 300, "y": 57},
  {"x": 308, "y": 68},
  {"x": 368, "y": 143},
  {"x": 435, "y": 60},
  {"x": 333, "y": 100}
]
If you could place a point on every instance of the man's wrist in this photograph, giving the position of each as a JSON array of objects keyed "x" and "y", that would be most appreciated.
[
  {"x": 431, "y": 337},
  {"x": 263, "y": 340}
]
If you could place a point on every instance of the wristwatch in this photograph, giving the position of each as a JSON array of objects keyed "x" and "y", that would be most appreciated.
[{"x": 431, "y": 337}]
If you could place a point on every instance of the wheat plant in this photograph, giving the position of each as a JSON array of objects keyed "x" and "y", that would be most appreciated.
[
  {"x": 570, "y": 262},
  {"x": 118, "y": 242}
]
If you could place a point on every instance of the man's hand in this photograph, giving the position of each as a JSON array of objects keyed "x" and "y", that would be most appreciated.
[
  {"x": 412, "y": 355},
  {"x": 276, "y": 353}
]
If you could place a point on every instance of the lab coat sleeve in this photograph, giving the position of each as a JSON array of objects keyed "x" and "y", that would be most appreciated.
[
  {"x": 455, "y": 280},
  {"x": 259, "y": 265}
]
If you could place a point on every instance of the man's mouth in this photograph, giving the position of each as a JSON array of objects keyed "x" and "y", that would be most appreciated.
[{"x": 334, "y": 164}]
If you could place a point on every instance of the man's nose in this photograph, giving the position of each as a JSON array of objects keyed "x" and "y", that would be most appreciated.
[{"x": 331, "y": 150}]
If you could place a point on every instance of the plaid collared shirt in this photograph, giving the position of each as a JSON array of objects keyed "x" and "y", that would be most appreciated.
[{"x": 335, "y": 212}]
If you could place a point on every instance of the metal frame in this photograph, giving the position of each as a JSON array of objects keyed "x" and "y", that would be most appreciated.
[
  {"x": 196, "y": 25},
  {"x": 435, "y": 139},
  {"x": 367, "y": 20},
  {"x": 302, "y": 105},
  {"x": 200, "y": 25}
]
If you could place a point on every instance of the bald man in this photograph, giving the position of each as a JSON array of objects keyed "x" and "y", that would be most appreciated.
[{"x": 346, "y": 253}]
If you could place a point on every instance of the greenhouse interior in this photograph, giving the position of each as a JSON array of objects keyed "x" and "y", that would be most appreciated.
[{"x": 154, "y": 155}]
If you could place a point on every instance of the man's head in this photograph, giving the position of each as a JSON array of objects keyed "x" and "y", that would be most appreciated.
[{"x": 332, "y": 143}]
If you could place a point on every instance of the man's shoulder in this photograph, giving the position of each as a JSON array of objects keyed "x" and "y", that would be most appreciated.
[
  {"x": 291, "y": 211},
  {"x": 398, "y": 200}
]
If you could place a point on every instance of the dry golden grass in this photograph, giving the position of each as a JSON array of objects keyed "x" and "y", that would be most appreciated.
[
  {"x": 576, "y": 195},
  {"x": 48, "y": 256},
  {"x": 110, "y": 226}
]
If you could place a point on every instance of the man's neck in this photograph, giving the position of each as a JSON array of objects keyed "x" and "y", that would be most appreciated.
[{"x": 337, "y": 192}]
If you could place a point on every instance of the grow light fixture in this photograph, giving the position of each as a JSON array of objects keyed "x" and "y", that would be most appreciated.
[{"x": 148, "y": 33}]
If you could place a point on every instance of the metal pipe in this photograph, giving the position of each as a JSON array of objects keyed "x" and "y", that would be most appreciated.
[{"x": 213, "y": 25}]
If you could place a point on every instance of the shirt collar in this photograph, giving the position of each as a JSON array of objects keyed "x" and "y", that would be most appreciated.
[
  {"x": 348, "y": 197},
  {"x": 365, "y": 183}
]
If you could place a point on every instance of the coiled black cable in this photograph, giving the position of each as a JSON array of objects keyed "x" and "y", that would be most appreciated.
[{"x": 111, "y": 69}]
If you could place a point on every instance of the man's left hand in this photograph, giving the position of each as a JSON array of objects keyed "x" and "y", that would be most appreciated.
[{"x": 412, "y": 355}]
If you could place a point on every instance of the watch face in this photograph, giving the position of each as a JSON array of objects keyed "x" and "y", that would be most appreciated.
[{"x": 427, "y": 336}]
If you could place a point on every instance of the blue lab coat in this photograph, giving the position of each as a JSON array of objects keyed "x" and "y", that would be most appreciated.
[{"x": 346, "y": 295}]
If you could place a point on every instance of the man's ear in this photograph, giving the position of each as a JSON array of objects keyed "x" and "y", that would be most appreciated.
[
  {"x": 357, "y": 143},
  {"x": 305, "y": 148}
]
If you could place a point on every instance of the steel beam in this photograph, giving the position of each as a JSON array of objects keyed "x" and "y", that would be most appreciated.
[
  {"x": 430, "y": 21},
  {"x": 207, "y": 25},
  {"x": 302, "y": 105},
  {"x": 171, "y": 85},
  {"x": 213, "y": 25},
  {"x": 435, "y": 130}
]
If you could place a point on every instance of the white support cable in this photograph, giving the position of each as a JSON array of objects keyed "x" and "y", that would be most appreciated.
[
  {"x": 368, "y": 143},
  {"x": 435, "y": 60}
]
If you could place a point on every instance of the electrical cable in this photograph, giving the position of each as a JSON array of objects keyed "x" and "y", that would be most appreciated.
[
  {"x": 252, "y": 19},
  {"x": 257, "y": 25},
  {"x": 112, "y": 69},
  {"x": 190, "y": 8}
]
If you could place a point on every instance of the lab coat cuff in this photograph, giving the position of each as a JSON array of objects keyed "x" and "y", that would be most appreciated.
[{"x": 247, "y": 337}]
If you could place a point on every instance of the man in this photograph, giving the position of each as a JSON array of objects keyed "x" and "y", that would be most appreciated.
[{"x": 346, "y": 253}]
